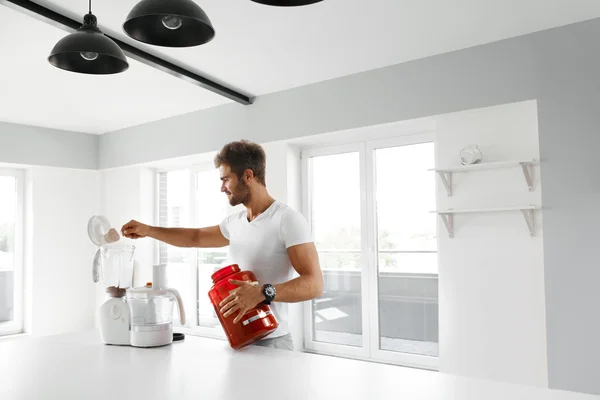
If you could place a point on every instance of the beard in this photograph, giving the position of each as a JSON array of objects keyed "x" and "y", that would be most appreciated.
[{"x": 240, "y": 195}]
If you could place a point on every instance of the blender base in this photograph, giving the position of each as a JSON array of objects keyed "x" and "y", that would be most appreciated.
[
  {"x": 152, "y": 336},
  {"x": 114, "y": 321}
]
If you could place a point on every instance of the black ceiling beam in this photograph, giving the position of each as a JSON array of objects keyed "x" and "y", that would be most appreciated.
[{"x": 70, "y": 25}]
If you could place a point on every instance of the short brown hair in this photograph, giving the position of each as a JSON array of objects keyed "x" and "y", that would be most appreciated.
[{"x": 243, "y": 155}]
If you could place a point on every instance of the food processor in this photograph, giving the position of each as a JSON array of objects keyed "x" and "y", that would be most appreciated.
[
  {"x": 140, "y": 317},
  {"x": 152, "y": 311}
]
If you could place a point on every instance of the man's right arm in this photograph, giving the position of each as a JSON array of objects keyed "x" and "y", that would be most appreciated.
[{"x": 179, "y": 237}]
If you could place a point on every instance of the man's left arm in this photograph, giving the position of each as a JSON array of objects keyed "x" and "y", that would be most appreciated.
[{"x": 309, "y": 285}]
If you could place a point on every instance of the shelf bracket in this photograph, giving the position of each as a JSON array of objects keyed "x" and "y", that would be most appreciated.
[
  {"x": 529, "y": 218},
  {"x": 449, "y": 222},
  {"x": 447, "y": 180},
  {"x": 528, "y": 172}
]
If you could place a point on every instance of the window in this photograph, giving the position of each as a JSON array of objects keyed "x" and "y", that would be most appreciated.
[
  {"x": 211, "y": 208},
  {"x": 11, "y": 252},
  {"x": 369, "y": 207},
  {"x": 176, "y": 210},
  {"x": 192, "y": 198}
]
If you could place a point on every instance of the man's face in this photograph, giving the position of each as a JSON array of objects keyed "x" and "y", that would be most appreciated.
[{"x": 237, "y": 190}]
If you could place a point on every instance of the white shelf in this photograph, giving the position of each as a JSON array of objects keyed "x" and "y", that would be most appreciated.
[
  {"x": 485, "y": 165},
  {"x": 446, "y": 173},
  {"x": 447, "y": 215},
  {"x": 484, "y": 210}
]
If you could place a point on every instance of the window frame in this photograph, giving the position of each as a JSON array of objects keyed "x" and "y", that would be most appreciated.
[
  {"x": 16, "y": 326},
  {"x": 370, "y": 349}
]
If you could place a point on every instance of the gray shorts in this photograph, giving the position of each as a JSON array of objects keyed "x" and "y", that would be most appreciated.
[{"x": 284, "y": 342}]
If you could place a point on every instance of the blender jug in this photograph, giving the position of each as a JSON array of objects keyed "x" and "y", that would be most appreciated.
[{"x": 116, "y": 262}]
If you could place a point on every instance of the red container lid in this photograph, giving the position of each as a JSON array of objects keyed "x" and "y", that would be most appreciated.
[{"x": 224, "y": 272}]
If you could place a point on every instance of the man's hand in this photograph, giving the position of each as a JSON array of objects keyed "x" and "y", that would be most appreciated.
[
  {"x": 135, "y": 230},
  {"x": 243, "y": 299}
]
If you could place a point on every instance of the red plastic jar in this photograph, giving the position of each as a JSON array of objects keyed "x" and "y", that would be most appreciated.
[{"x": 255, "y": 324}]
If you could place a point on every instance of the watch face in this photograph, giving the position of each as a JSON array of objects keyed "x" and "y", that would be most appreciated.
[{"x": 270, "y": 291}]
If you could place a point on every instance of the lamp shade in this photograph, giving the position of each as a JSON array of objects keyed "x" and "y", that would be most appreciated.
[
  {"x": 169, "y": 23},
  {"x": 286, "y": 3},
  {"x": 88, "y": 51}
]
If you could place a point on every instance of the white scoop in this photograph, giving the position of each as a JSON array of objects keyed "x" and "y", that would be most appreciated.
[
  {"x": 100, "y": 231},
  {"x": 101, "y": 234}
]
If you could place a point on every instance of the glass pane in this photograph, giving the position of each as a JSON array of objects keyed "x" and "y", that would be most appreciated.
[
  {"x": 8, "y": 214},
  {"x": 405, "y": 196},
  {"x": 407, "y": 249},
  {"x": 174, "y": 213},
  {"x": 174, "y": 204},
  {"x": 211, "y": 210},
  {"x": 336, "y": 209}
]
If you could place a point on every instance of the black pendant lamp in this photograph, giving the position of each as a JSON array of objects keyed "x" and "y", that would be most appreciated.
[
  {"x": 286, "y": 3},
  {"x": 88, "y": 51},
  {"x": 169, "y": 23}
]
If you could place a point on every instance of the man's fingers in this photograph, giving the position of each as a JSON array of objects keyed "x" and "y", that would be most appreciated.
[
  {"x": 229, "y": 305},
  {"x": 129, "y": 229},
  {"x": 243, "y": 283},
  {"x": 227, "y": 299},
  {"x": 237, "y": 283},
  {"x": 231, "y": 311},
  {"x": 131, "y": 233},
  {"x": 239, "y": 316}
]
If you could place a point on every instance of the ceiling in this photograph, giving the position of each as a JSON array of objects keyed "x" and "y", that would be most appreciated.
[{"x": 257, "y": 50}]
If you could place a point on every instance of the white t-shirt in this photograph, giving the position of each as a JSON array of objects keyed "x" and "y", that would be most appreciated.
[{"x": 261, "y": 246}]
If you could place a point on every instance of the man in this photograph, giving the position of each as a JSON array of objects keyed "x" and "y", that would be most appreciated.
[{"x": 268, "y": 238}]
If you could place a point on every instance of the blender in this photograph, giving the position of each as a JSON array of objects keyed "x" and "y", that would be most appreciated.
[
  {"x": 116, "y": 264},
  {"x": 140, "y": 317}
]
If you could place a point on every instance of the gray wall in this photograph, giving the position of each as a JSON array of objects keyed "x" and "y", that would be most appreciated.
[
  {"x": 29, "y": 145},
  {"x": 569, "y": 123},
  {"x": 560, "y": 68}
]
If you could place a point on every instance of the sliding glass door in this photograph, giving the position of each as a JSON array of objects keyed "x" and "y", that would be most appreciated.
[{"x": 369, "y": 207}]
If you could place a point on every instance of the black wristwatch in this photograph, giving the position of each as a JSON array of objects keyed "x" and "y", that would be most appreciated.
[{"x": 269, "y": 292}]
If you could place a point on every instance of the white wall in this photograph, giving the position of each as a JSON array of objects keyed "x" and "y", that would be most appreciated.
[
  {"x": 276, "y": 169},
  {"x": 59, "y": 253},
  {"x": 491, "y": 274},
  {"x": 128, "y": 193}
]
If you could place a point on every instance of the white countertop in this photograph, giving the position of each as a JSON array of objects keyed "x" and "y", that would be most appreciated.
[{"x": 79, "y": 366}]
